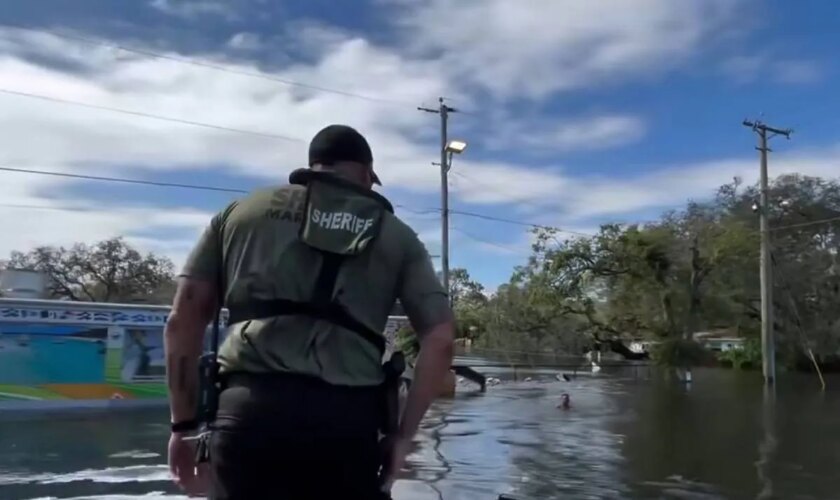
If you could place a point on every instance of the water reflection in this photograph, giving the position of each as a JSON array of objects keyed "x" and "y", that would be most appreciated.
[
  {"x": 626, "y": 436},
  {"x": 767, "y": 446}
]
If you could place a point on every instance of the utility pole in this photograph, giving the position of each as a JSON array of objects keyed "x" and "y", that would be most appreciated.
[
  {"x": 443, "y": 110},
  {"x": 768, "y": 347}
]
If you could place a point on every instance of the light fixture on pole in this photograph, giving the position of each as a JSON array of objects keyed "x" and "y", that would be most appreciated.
[
  {"x": 447, "y": 149},
  {"x": 454, "y": 147},
  {"x": 768, "y": 341}
]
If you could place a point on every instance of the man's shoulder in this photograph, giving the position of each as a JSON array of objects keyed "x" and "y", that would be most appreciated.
[
  {"x": 275, "y": 194},
  {"x": 271, "y": 201},
  {"x": 399, "y": 230}
]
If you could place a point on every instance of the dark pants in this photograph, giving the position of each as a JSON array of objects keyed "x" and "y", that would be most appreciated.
[{"x": 283, "y": 436}]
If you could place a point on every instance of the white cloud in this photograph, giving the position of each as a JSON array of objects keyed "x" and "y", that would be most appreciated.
[
  {"x": 465, "y": 237},
  {"x": 245, "y": 41},
  {"x": 90, "y": 141},
  {"x": 672, "y": 186},
  {"x": 633, "y": 40},
  {"x": 743, "y": 69},
  {"x": 191, "y": 9},
  {"x": 533, "y": 48},
  {"x": 798, "y": 72},
  {"x": 746, "y": 69},
  {"x": 578, "y": 134},
  {"x": 598, "y": 132},
  {"x": 29, "y": 218}
]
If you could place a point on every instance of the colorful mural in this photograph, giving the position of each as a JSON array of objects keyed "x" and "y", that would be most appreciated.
[
  {"x": 59, "y": 353},
  {"x": 56, "y": 351},
  {"x": 51, "y": 354}
]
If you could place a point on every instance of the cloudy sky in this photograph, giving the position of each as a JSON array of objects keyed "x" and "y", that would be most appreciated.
[{"x": 576, "y": 113}]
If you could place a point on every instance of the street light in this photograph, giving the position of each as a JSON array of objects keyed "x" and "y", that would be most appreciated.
[{"x": 456, "y": 146}]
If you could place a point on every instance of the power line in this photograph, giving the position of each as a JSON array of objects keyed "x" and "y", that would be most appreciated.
[
  {"x": 204, "y": 64},
  {"x": 419, "y": 211},
  {"x": 487, "y": 242},
  {"x": 24, "y": 206},
  {"x": 501, "y": 192},
  {"x": 500, "y": 219},
  {"x": 122, "y": 180},
  {"x": 805, "y": 224},
  {"x": 518, "y": 222},
  {"x": 148, "y": 115},
  {"x": 521, "y": 202}
]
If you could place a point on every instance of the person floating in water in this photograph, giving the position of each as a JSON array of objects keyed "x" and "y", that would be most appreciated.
[{"x": 565, "y": 402}]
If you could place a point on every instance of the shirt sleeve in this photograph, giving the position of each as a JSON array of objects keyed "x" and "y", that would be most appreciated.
[
  {"x": 420, "y": 292},
  {"x": 204, "y": 260}
]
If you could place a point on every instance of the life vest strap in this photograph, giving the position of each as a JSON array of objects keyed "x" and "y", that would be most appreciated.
[
  {"x": 321, "y": 306},
  {"x": 334, "y": 313}
]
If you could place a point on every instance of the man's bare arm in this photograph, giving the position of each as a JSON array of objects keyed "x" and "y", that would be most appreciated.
[
  {"x": 192, "y": 310},
  {"x": 433, "y": 363}
]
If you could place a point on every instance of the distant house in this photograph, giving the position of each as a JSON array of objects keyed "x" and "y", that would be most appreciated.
[
  {"x": 640, "y": 346},
  {"x": 22, "y": 284},
  {"x": 719, "y": 340}
]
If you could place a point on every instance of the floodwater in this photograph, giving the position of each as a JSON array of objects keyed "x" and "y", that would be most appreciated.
[{"x": 630, "y": 433}]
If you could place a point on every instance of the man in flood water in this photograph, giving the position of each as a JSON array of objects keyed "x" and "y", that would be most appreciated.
[{"x": 309, "y": 272}]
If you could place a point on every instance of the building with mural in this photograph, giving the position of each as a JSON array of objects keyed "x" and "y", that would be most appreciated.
[{"x": 62, "y": 354}]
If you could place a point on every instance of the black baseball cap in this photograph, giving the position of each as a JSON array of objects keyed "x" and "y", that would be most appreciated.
[{"x": 341, "y": 143}]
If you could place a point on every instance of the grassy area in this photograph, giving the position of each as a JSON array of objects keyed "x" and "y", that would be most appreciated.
[
  {"x": 113, "y": 365},
  {"x": 150, "y": 390},
  {"x": 11, "y": 392}
]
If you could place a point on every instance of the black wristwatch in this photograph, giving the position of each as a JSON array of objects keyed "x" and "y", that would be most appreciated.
[{"x": 185, "y": 425}]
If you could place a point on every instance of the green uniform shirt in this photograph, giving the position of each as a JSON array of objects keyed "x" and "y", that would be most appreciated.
[{"x": 264, "y": 258}]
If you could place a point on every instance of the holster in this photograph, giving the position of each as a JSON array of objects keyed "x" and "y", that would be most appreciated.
[
  {"x": 393, "y": 369},
  {"x": 390, "y": 426},
  {"x": 208, "y": 403}
]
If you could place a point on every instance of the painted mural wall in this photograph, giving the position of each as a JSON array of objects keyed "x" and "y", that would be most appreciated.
[{"x": 57, "y": 351}]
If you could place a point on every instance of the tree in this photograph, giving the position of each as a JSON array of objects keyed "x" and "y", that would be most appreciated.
[
  {"x": 697, "y": 269},
  {"x": 468, "y": 302},
  {"x": 462, "y": 288},
  {"x": 108, "y": 271}
]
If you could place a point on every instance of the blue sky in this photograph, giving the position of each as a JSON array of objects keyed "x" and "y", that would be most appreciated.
[{"x": 576, "y": 113}]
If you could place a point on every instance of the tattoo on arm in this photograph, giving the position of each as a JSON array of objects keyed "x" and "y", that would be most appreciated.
[{"x": 190, "y": 314}]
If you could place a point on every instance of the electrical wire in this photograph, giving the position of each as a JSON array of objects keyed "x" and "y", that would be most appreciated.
[
  {"x": 204, "y": 64},
  {"x": 486, "y": 241},
  {"x": 805, "y": 224},
  {"x": 25, "y": 206},
  {"x": 122, "y": 180},
  {"x": 242, "y": 131},
  {"x": 419, "y": 211},
  {"x": 147, "y": 115},
  {"x": 519, "y": 223},
  {"x": 500, "y": 191}
]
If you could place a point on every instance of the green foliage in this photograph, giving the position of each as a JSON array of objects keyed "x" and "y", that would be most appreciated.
[
  {"x": 692, "y": 270},
  {"x": 407, "y": 342},
  {"x": 108, "y": 271},
  {"x": 678, "y": 352},
  {"x": 469, "y": 303},
  {"x": 749, "y": 356}
]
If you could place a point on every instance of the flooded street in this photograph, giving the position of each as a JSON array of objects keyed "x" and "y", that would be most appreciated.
[{"x": 630, "y": 434}]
